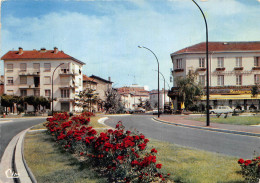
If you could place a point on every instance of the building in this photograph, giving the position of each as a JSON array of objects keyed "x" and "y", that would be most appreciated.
[
  {"x": 234, "y": 67},
  {"x": 90, "y": 83},
  {"x": 32, "y": 72},
  {"x": 102, "y": 86},
  {"x": 132, "y": 96},
  {"x": 164, "y": 99}
]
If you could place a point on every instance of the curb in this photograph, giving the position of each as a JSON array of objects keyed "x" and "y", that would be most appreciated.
[
  {"x": 210, "y": 129},
  {"x": 13, "y": 162}
]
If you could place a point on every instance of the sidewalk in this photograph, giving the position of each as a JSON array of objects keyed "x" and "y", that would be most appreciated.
[{"x": 181, "y": 120}]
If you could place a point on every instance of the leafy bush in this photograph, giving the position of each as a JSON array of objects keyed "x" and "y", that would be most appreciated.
[
  {"x": 250, "y": 169},
  {"x": 118, "y": 154}
]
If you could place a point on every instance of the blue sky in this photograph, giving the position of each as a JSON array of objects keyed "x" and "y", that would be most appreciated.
[{"x": 105, "y": 33}]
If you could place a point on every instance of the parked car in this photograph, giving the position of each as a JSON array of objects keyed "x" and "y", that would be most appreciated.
[
  {"x": 139, "y": 110},
  {"x": 221, "y": 109},
  {"x": 156, "y": 112}
]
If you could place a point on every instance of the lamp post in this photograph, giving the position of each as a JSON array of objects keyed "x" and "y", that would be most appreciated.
[
  {"x": 158, "y": 79},
  {"x": 52, "y": 87},
  {"x": 207, "y": 62},
  {"x": 164, "y": 89}
]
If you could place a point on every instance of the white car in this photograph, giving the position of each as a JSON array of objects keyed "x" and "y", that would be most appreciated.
[{"x": 221, "y": 109}]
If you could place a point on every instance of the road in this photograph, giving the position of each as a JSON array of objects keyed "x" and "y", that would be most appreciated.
[
  {"x": 11, "y": 127},
  {"x": 228, "y": 144}
]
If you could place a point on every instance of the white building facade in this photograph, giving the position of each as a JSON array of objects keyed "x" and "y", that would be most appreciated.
[
  {"x": 234, "y": 68},
  {"x": 30, "y": 73},
  {"x": 164, "y": 99}
]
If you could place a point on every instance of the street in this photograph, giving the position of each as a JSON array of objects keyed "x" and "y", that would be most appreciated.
[
  {"x": 228, "y": 144},
  {"x": 11, "y": 127}
]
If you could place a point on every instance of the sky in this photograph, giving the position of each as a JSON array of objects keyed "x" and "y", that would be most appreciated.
[{"x": 105, "y": 34}]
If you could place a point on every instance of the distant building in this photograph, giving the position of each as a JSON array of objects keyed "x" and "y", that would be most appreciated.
[
  {"x": 30, "y": 73},
  {"x": 102, "y": 85},
  {"x": 234, "y": 67},
  {"x": 132, "y": 96},
  {"x": 164, "y": 98}
]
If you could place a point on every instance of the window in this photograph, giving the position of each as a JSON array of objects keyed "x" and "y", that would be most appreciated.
[
  {"x": 220, "y": 80},
  {"x": 202, "y": 80},
  {"x": 47, "y": 80},
  {"x": 36, "y": 67},
  {"x": 23, "y": 66},
  {"x": 238, "y": 79},
  {"x": 220, "y": 62},
  {"x": 23, "y": 93},
  {"x": 47, "y": 93},
  {"x": 10, "y": 80},
  {"x": 10, "y": 67},
  {"x": 23, "y": 79},
  {"x": 202, "y": 62},
  {"x": 257, "y": 78},
  {"x": 179, "y": 63},
  {"x": 238, "y": 61},
  {"x": 64, "y": 80},
  {"x": 65, "y": 93},
  {"x": 37, "y": 93},
  {"x": 47, "y": 67},
  {"x": 80, "y": 82},
  {"x": 257, "y": 62}
]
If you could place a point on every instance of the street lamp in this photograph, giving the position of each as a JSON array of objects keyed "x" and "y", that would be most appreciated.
[
  {"x": 207, "y": 63},
  {"x": 158, "y": 79},
  {"x": 52, "y": 88},
  {"x": 164, "y": 89}
]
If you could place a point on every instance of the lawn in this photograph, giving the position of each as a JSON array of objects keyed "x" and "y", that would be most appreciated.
[
  {"x": 234, "y": 120},
  {"x": 49, "y": 163}
]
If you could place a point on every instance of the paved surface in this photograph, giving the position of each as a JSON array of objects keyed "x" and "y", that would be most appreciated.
[
  {"x": 229, "y": 144},
  {"x": 11, "y": 127}
]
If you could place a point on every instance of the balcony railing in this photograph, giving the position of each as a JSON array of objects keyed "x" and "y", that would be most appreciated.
[
  {"x": 31, "y": 72},
  {"x": 239, "y": 68},
  {"x": 201, "y": 69},
  {"x": 220, "y": 68},
  {"x": 256, "y": 68},
  {"x": 178, "y": 70},
  {"x": 29, "y": 86},
  {"x": 68, "y": 72}
]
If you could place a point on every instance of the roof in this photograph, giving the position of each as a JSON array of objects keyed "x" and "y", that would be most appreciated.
[
  {"x": 221, "y": 47},
  {"x": 38, "y": 54},
  {"x": 137, "y": 91},
  {"x": 99, "y": 78},
  {"x": 88, "y": 79}
]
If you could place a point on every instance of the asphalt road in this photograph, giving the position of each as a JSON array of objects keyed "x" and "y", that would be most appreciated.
[
  {"x": 228, "y": 144},
  {"x": 10, "y": 127}
]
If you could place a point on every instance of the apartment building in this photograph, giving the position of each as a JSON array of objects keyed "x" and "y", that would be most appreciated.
[
  {"x": 132, "y": 96},
  {"x": 164, "y": 99},
  {"x": 32, "y": 72},
  {"x": 234, "y": 67}
]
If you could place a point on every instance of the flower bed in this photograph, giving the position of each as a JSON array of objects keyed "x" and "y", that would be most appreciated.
[
  {"x": 250, "y": 169},
  {"x": 118, "y": 154}
]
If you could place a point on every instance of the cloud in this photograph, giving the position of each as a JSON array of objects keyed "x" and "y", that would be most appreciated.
[{"x": 108, "y": 42}]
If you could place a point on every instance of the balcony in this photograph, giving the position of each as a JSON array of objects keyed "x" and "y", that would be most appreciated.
[
  {"x": 220, "y": 68},
  {"x": 66, "y": 85},
  {"x": 68, "y": 72},
  {"x": 32, "y": 72},
  {"x": 256, "y": 68},
  {"x": 239, "y": 68},
  {"x": 201, "y": 69},
  {"x": 32, "y": 86},
  {"x": 178, "y": 70}
]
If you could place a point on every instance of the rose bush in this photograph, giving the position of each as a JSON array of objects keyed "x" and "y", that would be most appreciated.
[
  {"x": 119, "y": 154},
  {"x": 250, "y": 169}
]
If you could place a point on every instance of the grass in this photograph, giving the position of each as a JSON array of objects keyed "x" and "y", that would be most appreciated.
[
  {"x": 196, "y": 166},
  {"x": 234, "y": 120},
  {"x": 49, "y": 163}
]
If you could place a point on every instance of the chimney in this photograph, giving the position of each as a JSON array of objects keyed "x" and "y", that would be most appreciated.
[
  {"x": 20, "y": 50},
  {"x": 109, "y": 78},
  {"x": 56, "y": 50},
  {"x": 43, "y": 50}
]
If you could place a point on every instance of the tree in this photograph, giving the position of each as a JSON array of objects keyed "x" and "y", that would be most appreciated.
[
  {"x": 34, "y": 101},
  {"x": 87, "y": 98},
  {"x": 44, "y": 102},
  {"x": 112, "y": 103},
  {"x": 189, "y": 90},
  {"x": 255, "y": 91},
  {"x": 147, "y": 105},
  {"x": 7, "y": 101}
]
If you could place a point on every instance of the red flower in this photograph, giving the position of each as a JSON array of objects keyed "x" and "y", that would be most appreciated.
[
  {"x": 120, "y": 157},
  {"x": 146, "y": 141},
  {"x": 241, "y": 161},
  {"x": 248, "y": 162},
  {"x": 159, "y": 166},
  {"x": 153, "y": 150},
  {"x": 81, "y": 153}
]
